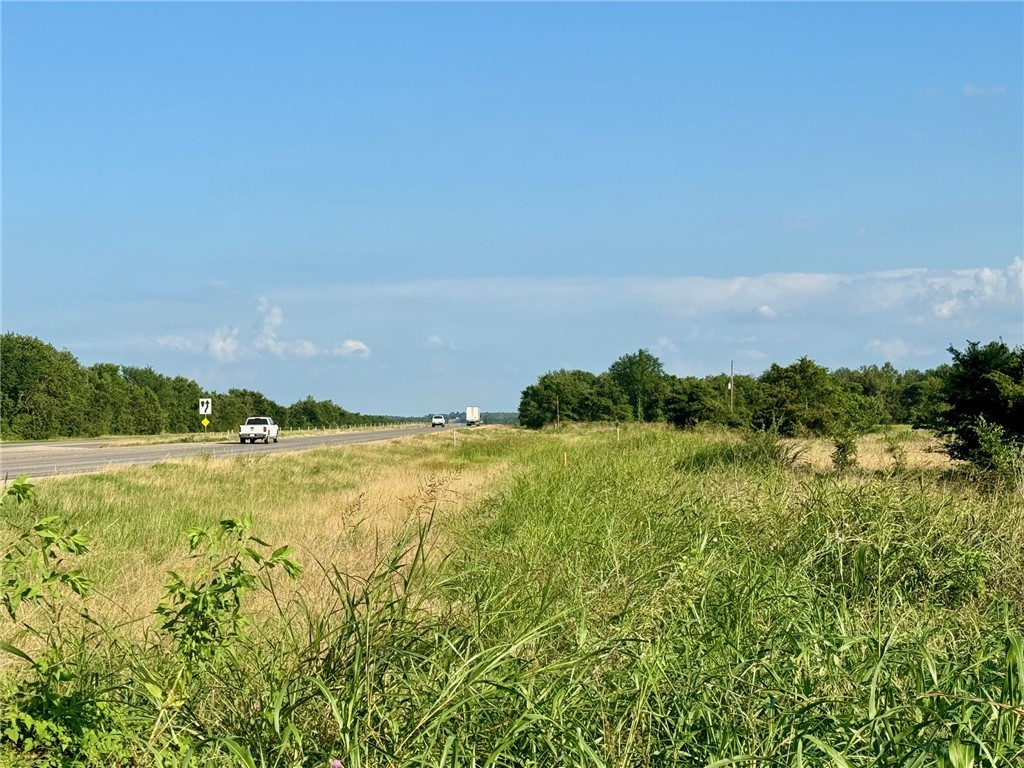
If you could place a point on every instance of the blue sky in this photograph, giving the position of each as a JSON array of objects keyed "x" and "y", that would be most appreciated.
[{"x": 408, "y": 208}]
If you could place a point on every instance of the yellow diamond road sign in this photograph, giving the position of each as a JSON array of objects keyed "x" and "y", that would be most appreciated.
[{"x": 205, "y": 422}]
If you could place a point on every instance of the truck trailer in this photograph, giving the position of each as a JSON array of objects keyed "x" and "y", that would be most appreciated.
[{"x": 472, "y": 416}]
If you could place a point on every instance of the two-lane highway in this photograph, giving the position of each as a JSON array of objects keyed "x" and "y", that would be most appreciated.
[{"x": 81, "y": 456}]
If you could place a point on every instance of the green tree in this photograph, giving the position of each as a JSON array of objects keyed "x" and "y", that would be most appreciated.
[
  {"x": 693, "y": 401},
  {"x": 239, "y": 404},
  {"x": 178, "y": 397},
  {"x": 641, "y": 376},
  {"x": 44, "y": 392},
  {"x": 879, "y": 388},
  {"x": 315, "y": 414},
  {"x": 607, "y": 401},
  {"x": 922, "y": 401},
  {"x": 802, "y": 399},
  {"x": 143, "y": 414},
  {"x": 108, "y": 400},
  {"x": 558, "y": 395},
  {"x": 983, "y": 386}
]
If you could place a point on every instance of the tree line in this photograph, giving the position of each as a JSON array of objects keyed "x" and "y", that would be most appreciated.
[
  {"x": 45, "y": 393},
  {"x": 976, "y": 400}
]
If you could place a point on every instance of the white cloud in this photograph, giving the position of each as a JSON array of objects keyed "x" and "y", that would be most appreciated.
[
  {"x": 909, "y": 296},
  {"x": 223, "y": 345},
  {"x": 693, "y": 296},
  {"x": 351, "y": 347},
  {"x": 891, "y": 349},
  {"x": 267, "y": 340},
  {"x": 436, "y": 342},
  {"x": 947, "y": 308},
  {"x": 177, "y": 343},
  {"x": 964, "y": 294},
  {"x": 304, "y": 349},
  {"x": 700, "y": 323},
  {"x": 226, "y": 345}
]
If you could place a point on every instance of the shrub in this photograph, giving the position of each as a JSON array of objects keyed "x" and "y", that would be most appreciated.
[{"x": 844, "y": 452}]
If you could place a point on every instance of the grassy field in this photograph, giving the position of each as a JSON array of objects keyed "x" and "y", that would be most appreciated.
[{"x": 599, "y": 597}]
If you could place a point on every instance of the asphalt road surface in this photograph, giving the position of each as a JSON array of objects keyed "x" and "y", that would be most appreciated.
[{"x": 82, "y": 456}]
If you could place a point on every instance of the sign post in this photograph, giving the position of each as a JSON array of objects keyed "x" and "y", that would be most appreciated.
[{"x": 205, "y": 409}]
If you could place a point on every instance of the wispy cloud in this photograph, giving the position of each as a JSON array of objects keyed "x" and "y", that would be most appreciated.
[
  {"x": 763, "y": 295},
  {"x": 226, "y": 345},
  {"x": 267, "y": 339},
  {"x": 436, "y": 342},
  {"x": 893, "y": 349},
  {"x": 223, "y": 345},
  {"x": 665, "y": 344},
  {"x": 176, "y": 342},
  {"x": 980, "y": 91}
]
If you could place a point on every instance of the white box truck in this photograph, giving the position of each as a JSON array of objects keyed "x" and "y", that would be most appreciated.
[{"x": 472, "y": 416}]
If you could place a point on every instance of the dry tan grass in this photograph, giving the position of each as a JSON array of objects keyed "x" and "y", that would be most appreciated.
[
  {"x": 340, "y": 508},
  {"x": 923, "y": 452}
]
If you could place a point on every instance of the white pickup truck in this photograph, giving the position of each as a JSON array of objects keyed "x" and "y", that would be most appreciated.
[{"x": 258, "y": 428}]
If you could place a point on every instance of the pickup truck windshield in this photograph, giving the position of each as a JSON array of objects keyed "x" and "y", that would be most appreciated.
[{"x": 255, "y": 421}]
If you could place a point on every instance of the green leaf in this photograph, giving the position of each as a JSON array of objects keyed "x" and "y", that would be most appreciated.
[
  {"x": 8, "y": 648},
  {"x": 242, "y": 753},
  {"x": 838, "y": 759},
  {"x": 155, "y": 692}
]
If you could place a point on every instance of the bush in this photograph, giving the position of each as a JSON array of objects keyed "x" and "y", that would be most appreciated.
[{"x": 844, "y": 452}]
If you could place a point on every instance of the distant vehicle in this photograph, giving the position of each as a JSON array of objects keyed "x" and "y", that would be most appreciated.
[
  {"x": 437, "y": 421},
  {"x": 473, "y": 416},
  {"x": 258, "y": 428}
]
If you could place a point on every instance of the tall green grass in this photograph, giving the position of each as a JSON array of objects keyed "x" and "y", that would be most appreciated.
[{"x": 640, "y": 597}]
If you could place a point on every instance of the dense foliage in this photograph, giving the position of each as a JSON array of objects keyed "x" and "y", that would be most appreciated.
[
  {"x": 977, "y": 401},
  {"x": 47, "y": 394},
  {"x": 984, "y": 395}
]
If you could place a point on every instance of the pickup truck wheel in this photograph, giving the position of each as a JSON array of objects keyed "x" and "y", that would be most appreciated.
[
  {"x": 241, "y": 440},
  {"x": 275, "y": 438}
]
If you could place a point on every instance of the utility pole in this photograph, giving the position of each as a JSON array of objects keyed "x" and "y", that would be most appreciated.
[
  {"x": 732, "y": 389},
  {"x": 557, "y": 422}
]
